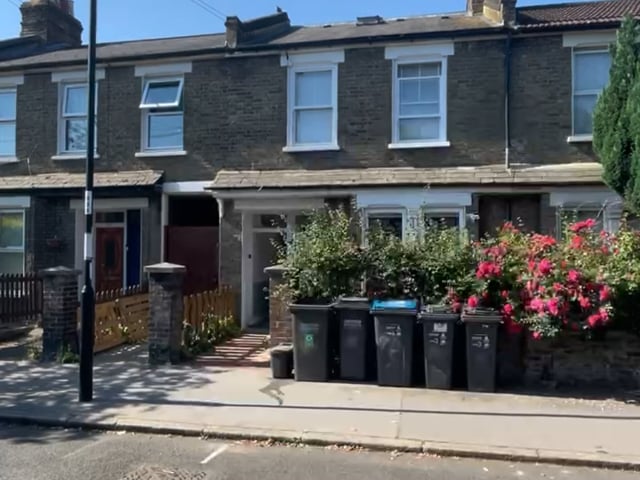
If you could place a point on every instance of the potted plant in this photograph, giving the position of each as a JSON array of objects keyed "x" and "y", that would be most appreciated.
[{"x": 322, "y": 261}]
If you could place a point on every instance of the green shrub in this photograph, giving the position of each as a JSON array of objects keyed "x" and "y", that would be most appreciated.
[{"x": 213, "y": 331}]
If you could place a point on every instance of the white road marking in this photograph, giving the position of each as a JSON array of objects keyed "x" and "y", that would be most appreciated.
[{"x": 214, "y": 454}]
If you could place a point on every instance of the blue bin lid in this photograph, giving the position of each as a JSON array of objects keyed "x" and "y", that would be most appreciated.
[{"x": 394, "y": 305}]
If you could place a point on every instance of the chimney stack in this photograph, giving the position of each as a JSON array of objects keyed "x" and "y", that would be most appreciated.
[
  {"x": 259, "y": 29},
  {"x": 52, "y": 21},
  {"x": 499, "y": 11}
]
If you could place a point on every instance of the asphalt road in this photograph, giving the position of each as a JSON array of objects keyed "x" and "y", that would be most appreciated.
[{"x": 28, "y": 453}]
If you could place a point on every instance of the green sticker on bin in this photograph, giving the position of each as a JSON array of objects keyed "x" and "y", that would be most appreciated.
[{"x": 308, "y": 340}]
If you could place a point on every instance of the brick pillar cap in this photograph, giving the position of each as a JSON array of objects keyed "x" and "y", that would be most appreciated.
[
  {"x": 165, "y": 268},
  {"x": 59, "y": 272},
  {"x": 275, "y": 270}
]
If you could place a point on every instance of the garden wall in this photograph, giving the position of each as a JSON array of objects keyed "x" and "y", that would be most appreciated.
[{"x": 570, "y": 361}]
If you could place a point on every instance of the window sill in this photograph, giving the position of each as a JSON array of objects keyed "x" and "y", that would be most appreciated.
[
  {"x": 435, "y": 144},
  {"x": 7, "y": 160},
  {"x": 161, "y": 153},
  {"x": 72, "y": 156},
  {"x": 580, "y": 138},
  {"x": 311, "y": 148}
]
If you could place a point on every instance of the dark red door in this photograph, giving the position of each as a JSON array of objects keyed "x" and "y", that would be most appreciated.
[
  {"x": 522, "y": 210},
  {"x": 109, "y": 258},
  {"x": 197, "y": 249}
]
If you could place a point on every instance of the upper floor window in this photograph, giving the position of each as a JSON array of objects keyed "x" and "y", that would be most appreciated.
[
  {"x": 7, "y": 122},
  {"x": 73, "y": 118},
  {"x": 162, "y": 114},
  {"x": 590, "y": 76},
  {"x": 73, "y": 105},
  {"x": 419, "y": 95},
  {"x": 312, "y": 101}
]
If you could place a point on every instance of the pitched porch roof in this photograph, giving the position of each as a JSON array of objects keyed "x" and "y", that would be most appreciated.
[
  {"x": 61, "y": 180},
  {"x": 561, "y": 174}
]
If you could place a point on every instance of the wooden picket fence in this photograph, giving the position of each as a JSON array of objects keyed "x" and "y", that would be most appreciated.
[
  {"x": 122, "y": 316},
  {"x": 220, "y": 302},
  {"x": 20, "y": 298}
]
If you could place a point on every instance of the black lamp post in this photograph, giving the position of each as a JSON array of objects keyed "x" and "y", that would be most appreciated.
[{"x": 87, "y": 325}]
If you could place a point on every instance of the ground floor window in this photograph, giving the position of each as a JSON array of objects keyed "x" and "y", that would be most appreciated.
[
  {"x": 388, "y": 220},
  {"x": 11, "y": 241},
  {"x": 447, "y": 218}
]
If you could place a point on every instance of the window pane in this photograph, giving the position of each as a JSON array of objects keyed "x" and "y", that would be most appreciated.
[
  {"x": 313, "y": 89},
  {"x": 583, "y": 106},
  {"x": 75, "y": 135},
  {"x": 419, "y": 70},
  {"x": 446, "y": 220},
  {"x": 109, "y": 217},
  {"x": 7, "y": 139},
  {"x": 591, "y": 71},
  {"x": 422, "y": 109},
  {"x": 314, "y": 126},
  {"x": 11, "y": 263},
  {"x": 11, "y": 230},
  {"x": 165, "y": 131},
  {"x": 76, "y": 100},
  {"x": 162, "y": 93},
  {"x": 389, "y": 222},
  {"x": 7, "y": 105},
  {"x": 420, "y": 128}
]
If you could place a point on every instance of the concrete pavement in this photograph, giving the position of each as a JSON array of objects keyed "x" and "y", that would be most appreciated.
[
  {"x": 234, "y": 403},
  {"x": 43, "y": 454}
]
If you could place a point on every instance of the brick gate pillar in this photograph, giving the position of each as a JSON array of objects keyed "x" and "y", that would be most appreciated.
[
  {"x": 59, "y": 312},
  {"x": 166, "y": 312},
  {"x": 279, "y": 315}
]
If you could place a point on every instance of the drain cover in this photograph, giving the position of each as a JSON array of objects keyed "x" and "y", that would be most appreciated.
[{"x": 162, "y": 473}]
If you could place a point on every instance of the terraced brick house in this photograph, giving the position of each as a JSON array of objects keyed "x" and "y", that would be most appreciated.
[{"x": 210, "y": 146}]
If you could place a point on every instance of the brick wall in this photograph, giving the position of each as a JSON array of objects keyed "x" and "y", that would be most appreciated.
[
  {"x": 50, "y": 217},
  {"x": 231, "y": 248},
  {"x": 570, "y": 361},
  {"x": 236, "y": 114}
]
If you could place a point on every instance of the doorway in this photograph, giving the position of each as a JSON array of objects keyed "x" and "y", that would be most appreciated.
[
  {"x": 522, "y": 210},
  {"x": 109, "y": 261}
]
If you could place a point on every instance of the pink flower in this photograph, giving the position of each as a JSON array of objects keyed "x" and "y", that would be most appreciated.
[
  {"x": 507, "y": 309},
  {"x": 473, "y": 302},
  {"x": 504, "y": 294},
  {"x": 584, "y": 302},
  {"x": 545, "y": 267},
  {"x": 531, "y": 265},
  {"x": 604, "y": 315},
  {"x": 577, "y": 242},
  {"x": 537, "y": 305},
  {"x": 456, "y": 307},
  {"x": 552, "y": 306},
  {"x": 558, "y": 287},
  {"x": 594, "y": 320},
  {"x": 584, "y": 225},
  {"x": 536, "y": 335},
  {"x": 573, "y": 276},
  {"x": 605, "y": 293}
]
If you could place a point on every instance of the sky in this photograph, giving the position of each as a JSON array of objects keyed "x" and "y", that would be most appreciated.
[{"x": 134, "y": 19}]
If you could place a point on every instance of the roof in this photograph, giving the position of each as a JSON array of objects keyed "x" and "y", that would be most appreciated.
[
  {"x": 429, "y": 24},
  {"x": 561, "y": 174},
  {"x": 140, "y": 178},
  {"x": 122, "y": 50},
  {"x": 603, "y": 13}
]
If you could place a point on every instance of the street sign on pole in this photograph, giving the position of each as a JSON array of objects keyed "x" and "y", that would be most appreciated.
[{"x": 87, "y": 324}]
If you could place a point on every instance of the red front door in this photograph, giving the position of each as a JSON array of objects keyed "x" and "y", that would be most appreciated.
[{"x": 109, "y": 258}]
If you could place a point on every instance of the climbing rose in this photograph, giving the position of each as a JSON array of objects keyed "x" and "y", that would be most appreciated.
[
  {"x": 545, "y": 266},
  {"x": 584, "y": 225},
  {"x": 605, "y": 293},
  {"x": 584, "y": 302},
  {"x": 473, "y": 302},
  {"x": 537, "y": 305},
  {"x": 536, "y": 335},
  {"x": 552, "y": 306},
  {"x": 573, "y": 276},
  {"x": 507, "y": 309},
  {"x": 577, "y": 242},
  {"x": 594, "y": 320}
]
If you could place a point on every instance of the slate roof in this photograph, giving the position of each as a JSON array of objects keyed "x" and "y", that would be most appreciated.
[
  {"x": 577, "y": 14},
  {"x": 561, "y": 174},
  {"x": 139, "y": 178}
]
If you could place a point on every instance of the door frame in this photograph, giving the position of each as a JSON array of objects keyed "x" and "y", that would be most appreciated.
[{"x": 249, "y": 209}]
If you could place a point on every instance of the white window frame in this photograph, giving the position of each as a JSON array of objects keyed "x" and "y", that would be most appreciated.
[
  {"x": 314, "y": 61},
  {"x": 20, "y": 249},
  {"x": 10, "y": 121},
  {"x": 395, "y": 129},
  {"x": 63, "y": 153},
  {"x": 292, "y": 146},
  {"x": 382, "y": 211},
  {"x": 581, "y": 50},
  {"x": 447, "y": 212},
  {"x": 146, "y": 113}
]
